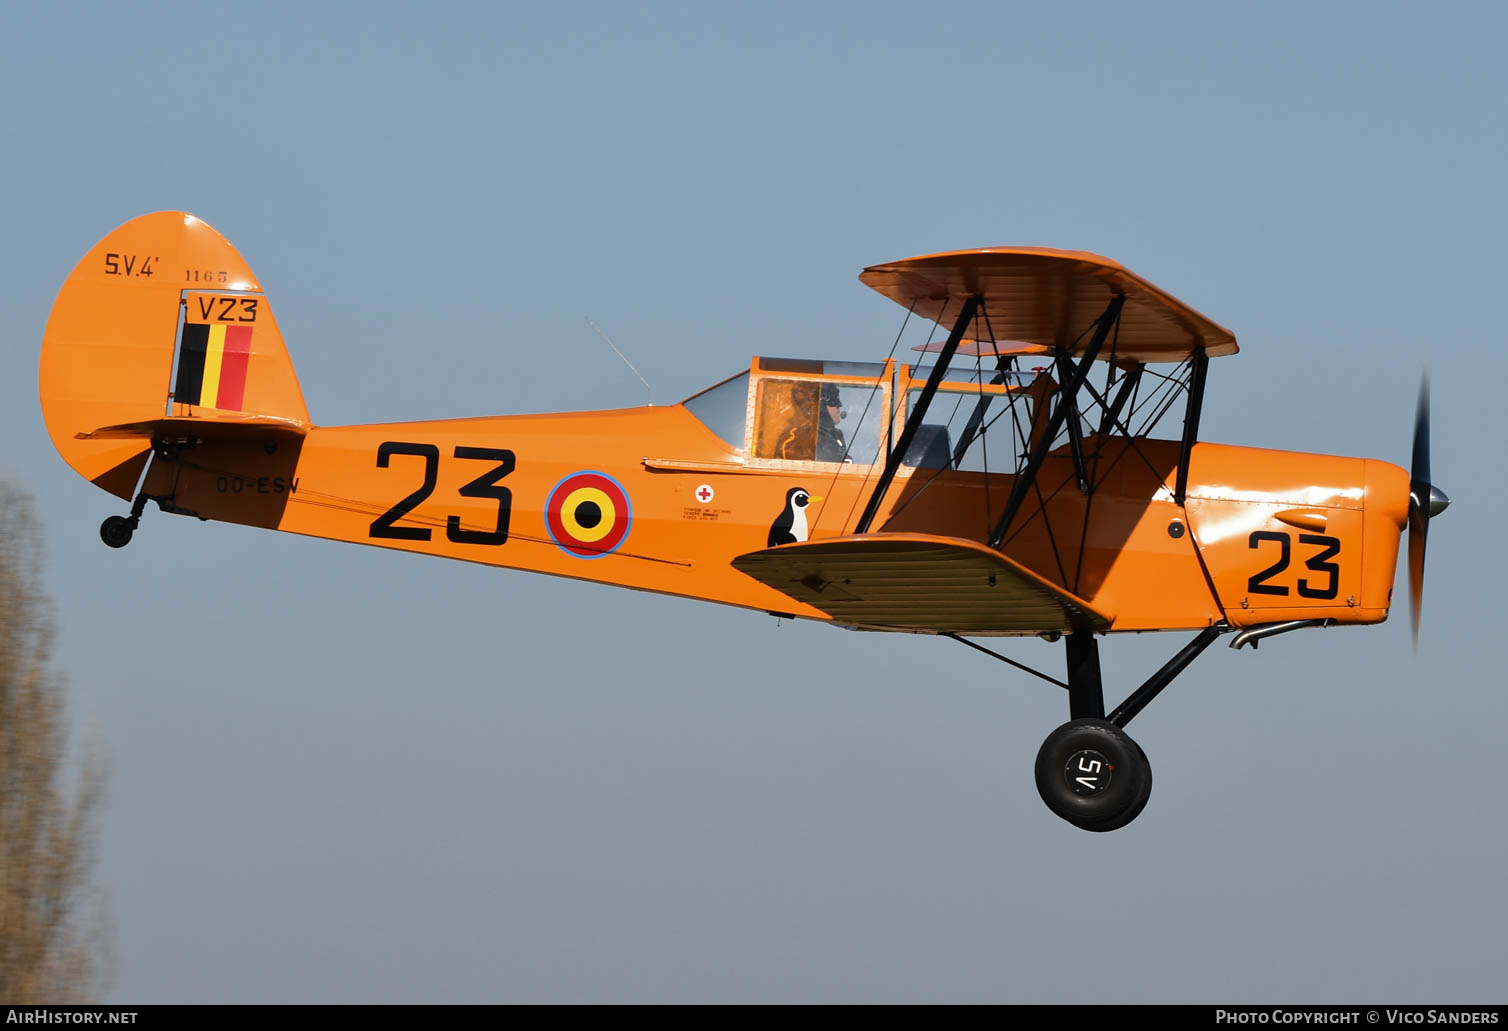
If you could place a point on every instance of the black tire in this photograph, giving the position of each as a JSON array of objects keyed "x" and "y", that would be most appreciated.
[
  {"x": 116, "y": 531},
  {"x": 1093, "y": 775}
]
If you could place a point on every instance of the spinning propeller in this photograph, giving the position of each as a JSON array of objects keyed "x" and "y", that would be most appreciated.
[{"x": 1425, "y": 502}]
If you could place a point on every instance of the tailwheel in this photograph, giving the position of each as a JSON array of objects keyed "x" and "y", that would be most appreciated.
[
  {"x": 1092, "y": 774},
  {"x": 116, "y": 531}
]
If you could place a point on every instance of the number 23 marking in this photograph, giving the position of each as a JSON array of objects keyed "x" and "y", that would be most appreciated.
[
  {"x": 1319, "y": 563},
  {"x": 484, "y": 486}
]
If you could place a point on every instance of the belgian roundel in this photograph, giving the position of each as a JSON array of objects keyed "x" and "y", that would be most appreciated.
[{"x": 588, "y": 514}]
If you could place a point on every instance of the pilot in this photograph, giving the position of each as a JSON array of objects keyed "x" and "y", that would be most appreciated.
[{"x": 831, "y": 445}]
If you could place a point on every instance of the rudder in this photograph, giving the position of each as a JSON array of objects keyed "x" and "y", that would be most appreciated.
[{"x": 162, "y": 319}]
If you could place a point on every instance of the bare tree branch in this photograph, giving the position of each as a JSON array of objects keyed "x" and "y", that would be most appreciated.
[{"x": 52, "y": 941}]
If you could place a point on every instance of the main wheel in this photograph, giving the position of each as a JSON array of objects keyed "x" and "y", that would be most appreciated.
[
  {"x": 116, "y": 531},
  {"x": 1093, "y": 775}
]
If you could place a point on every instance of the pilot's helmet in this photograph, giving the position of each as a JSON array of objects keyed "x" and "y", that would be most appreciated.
[{"x": 830, "y": 394}]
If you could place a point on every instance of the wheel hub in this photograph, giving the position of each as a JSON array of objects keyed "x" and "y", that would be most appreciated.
[{"x": 1088, "y": 772}]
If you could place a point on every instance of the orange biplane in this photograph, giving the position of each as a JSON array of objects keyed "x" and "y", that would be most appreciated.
[{"x": 1017, "y": 493}]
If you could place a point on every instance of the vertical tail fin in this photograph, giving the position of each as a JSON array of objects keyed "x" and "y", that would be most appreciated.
[{"x": 163, "y": 319}]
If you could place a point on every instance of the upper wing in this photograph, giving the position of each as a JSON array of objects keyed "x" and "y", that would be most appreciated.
[
  {"x": 1037, "y": 296},
  {"x": 919, "y": 583}
]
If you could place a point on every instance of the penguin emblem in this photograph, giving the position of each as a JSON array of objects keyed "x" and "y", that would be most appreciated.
[{"x": 790, "y": 525}]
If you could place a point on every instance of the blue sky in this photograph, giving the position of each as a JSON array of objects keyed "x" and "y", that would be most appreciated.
[{"x": 345, "y": 775}]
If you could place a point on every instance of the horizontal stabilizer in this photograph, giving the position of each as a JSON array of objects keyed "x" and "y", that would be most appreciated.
[
  {"x": 223, "y": 427},
  {"x": 919, "y": 583}
]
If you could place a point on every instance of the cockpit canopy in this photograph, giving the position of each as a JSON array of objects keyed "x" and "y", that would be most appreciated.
[
  {"x": 798, "y": 410},
  {"x": 785, "y": 410}
]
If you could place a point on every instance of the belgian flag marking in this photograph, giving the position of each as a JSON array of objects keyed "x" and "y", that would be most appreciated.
[
  {"x": 588, "y": 514},
  {"x": 212, "y": 360}
]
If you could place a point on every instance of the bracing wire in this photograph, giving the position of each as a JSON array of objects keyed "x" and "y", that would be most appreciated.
[{"x": 885, "y": 435}]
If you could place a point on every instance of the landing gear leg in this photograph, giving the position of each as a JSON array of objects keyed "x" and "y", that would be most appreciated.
[
  {"x": 116, "y": 531},
  {"x": 1089, "y": 771},
  {"x": 1086, "y": 692}
]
